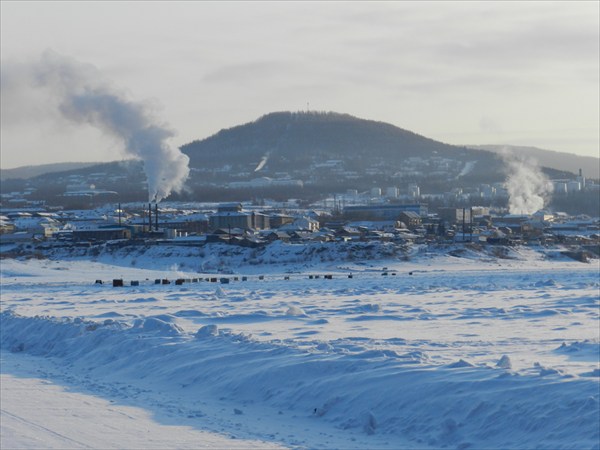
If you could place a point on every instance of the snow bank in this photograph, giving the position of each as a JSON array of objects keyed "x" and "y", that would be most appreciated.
[
  {"x": 376, "y": 394},
  {"x": 214, "y": 257},
  {"x": 221, "y": 257},
  {"x": 39, "y": 414}
]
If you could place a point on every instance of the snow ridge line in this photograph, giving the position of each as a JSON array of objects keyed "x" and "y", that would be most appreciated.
[{"x": 377, "y": 393}]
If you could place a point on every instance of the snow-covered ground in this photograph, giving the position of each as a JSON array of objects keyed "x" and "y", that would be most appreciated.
[
  {"x": 38, "y": 413},
  {"x": 442, "y": 352}
]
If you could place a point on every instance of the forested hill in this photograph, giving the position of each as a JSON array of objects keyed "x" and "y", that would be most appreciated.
[{"x": 303, "y": 137}]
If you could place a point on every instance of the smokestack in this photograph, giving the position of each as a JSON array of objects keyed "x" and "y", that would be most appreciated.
[{"x": 156, "y": 216}]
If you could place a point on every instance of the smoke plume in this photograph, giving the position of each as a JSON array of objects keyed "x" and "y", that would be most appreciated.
[
  {"x": 83, "y": 95},
  {"x": 528, "y": 188}
]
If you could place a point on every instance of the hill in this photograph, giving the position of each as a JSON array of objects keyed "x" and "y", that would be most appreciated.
[
  {"x": 337, "y": 151},
  {"x": 26, "y": 172},
  {"x": 301, "y": 155},
  {"x": 297, "y": 136}
]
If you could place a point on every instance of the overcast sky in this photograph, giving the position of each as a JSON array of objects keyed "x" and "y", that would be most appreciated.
[{"x": 522, "y": 73}]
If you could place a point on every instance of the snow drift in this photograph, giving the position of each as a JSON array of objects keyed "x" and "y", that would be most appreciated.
[{"x": 377, "y": 394}]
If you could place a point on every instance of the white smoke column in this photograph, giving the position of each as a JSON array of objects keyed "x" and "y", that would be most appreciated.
[
  {"x": 84, "y": 95},
  {"x": 528, "y": 188}
]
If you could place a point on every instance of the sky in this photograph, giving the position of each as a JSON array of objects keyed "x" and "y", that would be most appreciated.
[{"x": 465, "y": 73}]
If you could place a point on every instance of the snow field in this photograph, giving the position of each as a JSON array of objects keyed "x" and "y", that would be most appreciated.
[
  {"x": 464, "y": 353},
  {"x": 37, "y": 413}
]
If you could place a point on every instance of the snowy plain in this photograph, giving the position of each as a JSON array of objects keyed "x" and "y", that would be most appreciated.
[{"x": 456, "y": 349}]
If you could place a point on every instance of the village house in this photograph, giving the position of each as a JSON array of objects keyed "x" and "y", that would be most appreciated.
[
  {"x": 410, "y": 219},
  {"x": 301, "y": 224}
]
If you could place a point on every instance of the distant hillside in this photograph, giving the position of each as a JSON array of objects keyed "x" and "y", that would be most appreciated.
[
  {"x": 359, "y": 154},
  {"x": 298, "y": 137},
  {"x": 302, "y": 155},
  {"x": 552, "y": 159},
  {"x": 26, "y": 172}
]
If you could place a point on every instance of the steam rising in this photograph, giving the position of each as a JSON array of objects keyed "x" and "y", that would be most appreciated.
[
  {"x": 84, "y": 96},
  {"x": 528, "y": 188}
]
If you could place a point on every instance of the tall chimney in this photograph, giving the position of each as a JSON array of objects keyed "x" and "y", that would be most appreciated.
[{"x": 156, "y": 216}]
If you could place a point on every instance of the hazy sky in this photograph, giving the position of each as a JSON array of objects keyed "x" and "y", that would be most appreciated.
[{"x": 523, "y": 73}]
